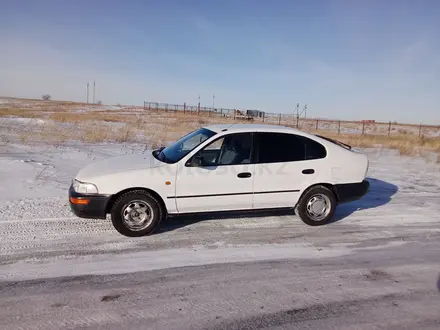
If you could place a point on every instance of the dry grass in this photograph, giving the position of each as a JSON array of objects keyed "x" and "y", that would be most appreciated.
[
  {"x": 72, "y": 117},
  {"x": 19, "y": 112},
  {"x": 407, "y": 144},
  {"x": 89, "y": 133}
]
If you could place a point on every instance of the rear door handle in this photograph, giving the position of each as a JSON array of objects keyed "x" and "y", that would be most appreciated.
[
  {"x": 244, "y": 175},
  {"x": 308, "y": 171}
]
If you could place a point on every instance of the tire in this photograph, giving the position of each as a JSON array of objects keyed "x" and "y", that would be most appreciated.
[
  {"x": 320, "y": 194},
  {"x": 133, "y": 205}
]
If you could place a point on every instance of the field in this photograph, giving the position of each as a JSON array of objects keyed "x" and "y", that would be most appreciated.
[
  {"x": 376, "y": 266},
  {"x": 60, "y": 122}
]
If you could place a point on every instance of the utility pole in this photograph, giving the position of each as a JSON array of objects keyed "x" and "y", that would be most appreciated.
[
  {"x": 93, "y": 92},
  {"x": 297, "y": 114},
  {"x": 87, "y": 93},
  {"x": 213, "y": 107},
  {"x": 198, "y": 105}
]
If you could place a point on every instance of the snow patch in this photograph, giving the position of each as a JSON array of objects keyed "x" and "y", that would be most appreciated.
[{"x": 20, "y": 120}]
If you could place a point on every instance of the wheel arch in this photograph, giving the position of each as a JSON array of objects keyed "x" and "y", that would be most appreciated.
[
  {"x": 115, "y": 197},
  {"x": 329, "y": 186}
]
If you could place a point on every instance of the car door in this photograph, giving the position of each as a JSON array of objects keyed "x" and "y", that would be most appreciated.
[
  {"x": 286, "y": 165},
  {"x": 219, "y": 177}
]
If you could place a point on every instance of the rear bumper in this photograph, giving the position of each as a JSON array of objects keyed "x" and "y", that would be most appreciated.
[
  {"x": 349, "y": 192},
  {"x": 88, "y": 206}
]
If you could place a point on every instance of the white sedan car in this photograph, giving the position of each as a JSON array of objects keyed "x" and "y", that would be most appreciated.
[{"x": 222, "y": 168}]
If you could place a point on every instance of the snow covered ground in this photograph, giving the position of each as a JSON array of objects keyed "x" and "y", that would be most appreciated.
[{"x": 266, "y": 270}]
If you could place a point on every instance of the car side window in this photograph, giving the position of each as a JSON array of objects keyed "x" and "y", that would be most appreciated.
[
  {"x": 216, "y": 145},
  {"x": 236, "y": 149},
  {"x": 314, "y": 150},
  {"x": 280, "y": 147},
  {"x": 231, "y": 149}
]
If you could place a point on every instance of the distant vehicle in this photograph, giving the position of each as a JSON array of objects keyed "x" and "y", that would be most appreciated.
[
  {"x": 241, "y": 114},
  {"x": 255, "y": 113},
  {"x": 222, "y": 168}
]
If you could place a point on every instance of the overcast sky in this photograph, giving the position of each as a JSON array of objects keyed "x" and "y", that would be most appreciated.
[{"x": 345, "y": 59}]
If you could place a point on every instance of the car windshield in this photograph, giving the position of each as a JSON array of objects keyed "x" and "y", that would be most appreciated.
[{"x": 179, "y": 149}]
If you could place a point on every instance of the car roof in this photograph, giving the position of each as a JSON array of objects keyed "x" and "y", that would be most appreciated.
[{"x": 251, "y": 128}]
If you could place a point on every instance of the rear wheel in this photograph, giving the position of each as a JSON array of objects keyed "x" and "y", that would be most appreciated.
[
  {"x": 317, "y": 206},
  {"x": 136, "y": 213}
]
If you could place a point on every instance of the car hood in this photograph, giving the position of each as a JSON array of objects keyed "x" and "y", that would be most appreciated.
[{"x": 118, "y": 164}]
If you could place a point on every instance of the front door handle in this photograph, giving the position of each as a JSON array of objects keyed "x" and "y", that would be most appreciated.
[
  {"x": 308, "y": 171},
  {"x": 244, "y": 175}
]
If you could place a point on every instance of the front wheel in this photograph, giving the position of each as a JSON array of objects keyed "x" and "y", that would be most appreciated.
[
  {"x": 317, "y": 206},
  {"x": 136, "y": 213}
]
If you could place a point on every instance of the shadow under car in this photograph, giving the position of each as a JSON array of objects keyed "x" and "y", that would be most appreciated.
[{"x": 379, "y": 194}]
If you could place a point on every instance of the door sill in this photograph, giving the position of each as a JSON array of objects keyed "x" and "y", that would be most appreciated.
[{"x": 231, "y": 213}]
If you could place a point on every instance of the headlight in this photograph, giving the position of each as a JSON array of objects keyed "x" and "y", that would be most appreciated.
[{"x": 84, "y": 187}]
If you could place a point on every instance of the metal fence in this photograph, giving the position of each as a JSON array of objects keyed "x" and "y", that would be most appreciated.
[{"x": 293, "y": 120}]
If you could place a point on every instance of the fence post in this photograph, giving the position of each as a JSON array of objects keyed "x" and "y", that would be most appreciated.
[
  {"x": 363, "y": 127},
  {"x": 234, "y": 113},
  {"x": 339, "y": 127},
  {"x": 184, "y": 108},
  {"x": 317, "y": 123},
  {"x": 279, "y": 120},
  {"x": 389, "y": 128},
  {"x": 420, "y": 130}
]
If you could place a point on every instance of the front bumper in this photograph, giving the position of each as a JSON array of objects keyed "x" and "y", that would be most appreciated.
[
  {"x": 349, "y": 192},
  {"x": 88, "y": 206}
]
